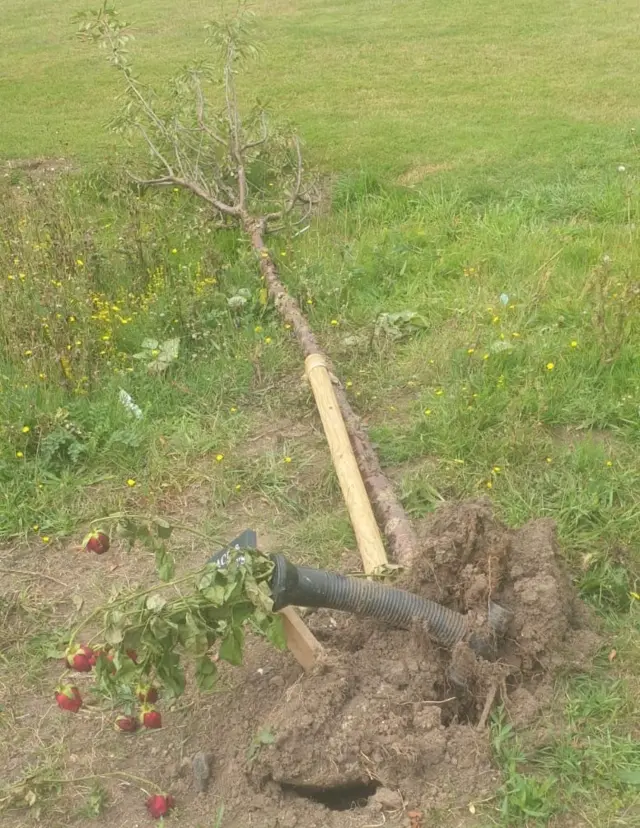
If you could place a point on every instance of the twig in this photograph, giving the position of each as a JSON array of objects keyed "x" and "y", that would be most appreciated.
[
  {"x": 71, "y": 780},
  {"x": 166, "y": 180},
  {"x": 260, "y": 141},
  {"x": 33, "y": 575},
  {"x": 486, "y": 710},
  {"x": 279, "y": 214}
]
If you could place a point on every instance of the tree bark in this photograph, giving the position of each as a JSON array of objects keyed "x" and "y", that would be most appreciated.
[{"x": 390, "y": 514}]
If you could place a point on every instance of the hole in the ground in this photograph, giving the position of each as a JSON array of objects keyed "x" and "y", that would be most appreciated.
[
  {"x": 337, "y": 797},
  {"x": 461, "y": 709}
]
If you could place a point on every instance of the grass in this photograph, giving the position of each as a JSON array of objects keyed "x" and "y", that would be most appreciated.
[{"x": 513, "y": 236}]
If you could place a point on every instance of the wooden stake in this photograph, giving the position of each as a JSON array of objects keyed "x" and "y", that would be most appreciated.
[
  {"x": 363, "y": 521},
  {"x": 302, "y": 643}
]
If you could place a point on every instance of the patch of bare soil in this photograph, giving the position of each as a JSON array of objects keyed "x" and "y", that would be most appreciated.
[{"x": 388, "y": 729}]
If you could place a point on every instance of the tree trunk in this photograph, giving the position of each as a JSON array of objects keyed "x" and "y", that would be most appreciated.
[{"x": 391, "y": 516}]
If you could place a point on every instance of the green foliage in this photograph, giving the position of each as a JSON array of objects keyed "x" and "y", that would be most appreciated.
[
  {"x": 96, "y": 802},
  {"x": 196, "y": 135},
  {"x": 262, "y": 737},
  {"x": 208, "y": 617},
  {"x": 523, "y": 797}
]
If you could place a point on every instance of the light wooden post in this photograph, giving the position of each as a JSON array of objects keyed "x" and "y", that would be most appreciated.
[
  {"x": 355, "y": 495},
  {"x": 302, "y": 643}
]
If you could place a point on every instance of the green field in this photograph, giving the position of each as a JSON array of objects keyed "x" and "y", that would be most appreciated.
[{"x": 483, "y": 169}]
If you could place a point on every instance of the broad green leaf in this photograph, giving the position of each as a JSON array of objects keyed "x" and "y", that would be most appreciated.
[
  {"x": 169, "y": 349},
  {"x": 113, "y": 634},
  {"x": 170, "y": 673},
  {"x": 165, "y": 565},
  {"x": 259, "y": 595},
  {"x": 150, "y": 344},
  {"x": 163, "y": 528},
  {"x": 231, "y": 647},
  {"x": 275, "y": 633},
  {"x": 155, "y": 602},
  {"x": 214, "y": 594},
  {"x": 206, "y": 673}
]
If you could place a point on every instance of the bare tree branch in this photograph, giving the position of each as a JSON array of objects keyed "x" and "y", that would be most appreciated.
[
  {"x": 200, "y": 114},
  {"x": 174, "y": 180},
  {"x": 296, "y": 187},
  {"x": 263, "y": 139},
  {"x": 233, "y": 117},
  {"x": 154, "y": 149}
]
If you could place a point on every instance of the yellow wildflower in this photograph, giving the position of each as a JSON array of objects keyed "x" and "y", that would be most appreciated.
[
  {"x": 550, "y": 366},
  {"x": 471, "y": 351},
  {"x": 267, "y": 340},
  {"x": 287, "y": 459},
  {"x": 19, "y": 454},
  {"x": 427, "y": 411},
  {"x": 131, "y": 482},
  {"x": 25, "y": 429},
  {"x": 573, "y": 343},
  {"x": 45, "y": 539},
  {"x": 219, "y": 458}
]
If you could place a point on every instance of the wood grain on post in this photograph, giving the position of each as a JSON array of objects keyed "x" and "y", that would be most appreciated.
[
  {"x": 302, "y": 643},
  {"x": 363, "y": 521}
]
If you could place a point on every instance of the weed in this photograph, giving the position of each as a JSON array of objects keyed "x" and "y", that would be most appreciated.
[
  {"x": 96, "y": 802},
  {"x": 263, "y": 737}
]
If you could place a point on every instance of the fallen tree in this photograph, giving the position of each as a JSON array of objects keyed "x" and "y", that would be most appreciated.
[{"x": 252, "y": 176}]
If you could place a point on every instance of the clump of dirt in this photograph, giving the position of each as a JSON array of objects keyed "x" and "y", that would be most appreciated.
[
  {"x": 389, "y": 728},
  {"x": 389, "y": 723}
]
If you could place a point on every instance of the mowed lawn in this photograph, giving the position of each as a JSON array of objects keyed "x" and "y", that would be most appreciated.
[
  {"x": 501, "y": 92},
  {"x": 484, "y": 166}
]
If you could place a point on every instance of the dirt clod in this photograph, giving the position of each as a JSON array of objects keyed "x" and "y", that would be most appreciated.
[
  {"x": 391, "y": 722},
  {"x": 389, "y": 727}
]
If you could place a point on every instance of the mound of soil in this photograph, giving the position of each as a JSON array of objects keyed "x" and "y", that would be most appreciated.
[{"x": 389, "y": 726}]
